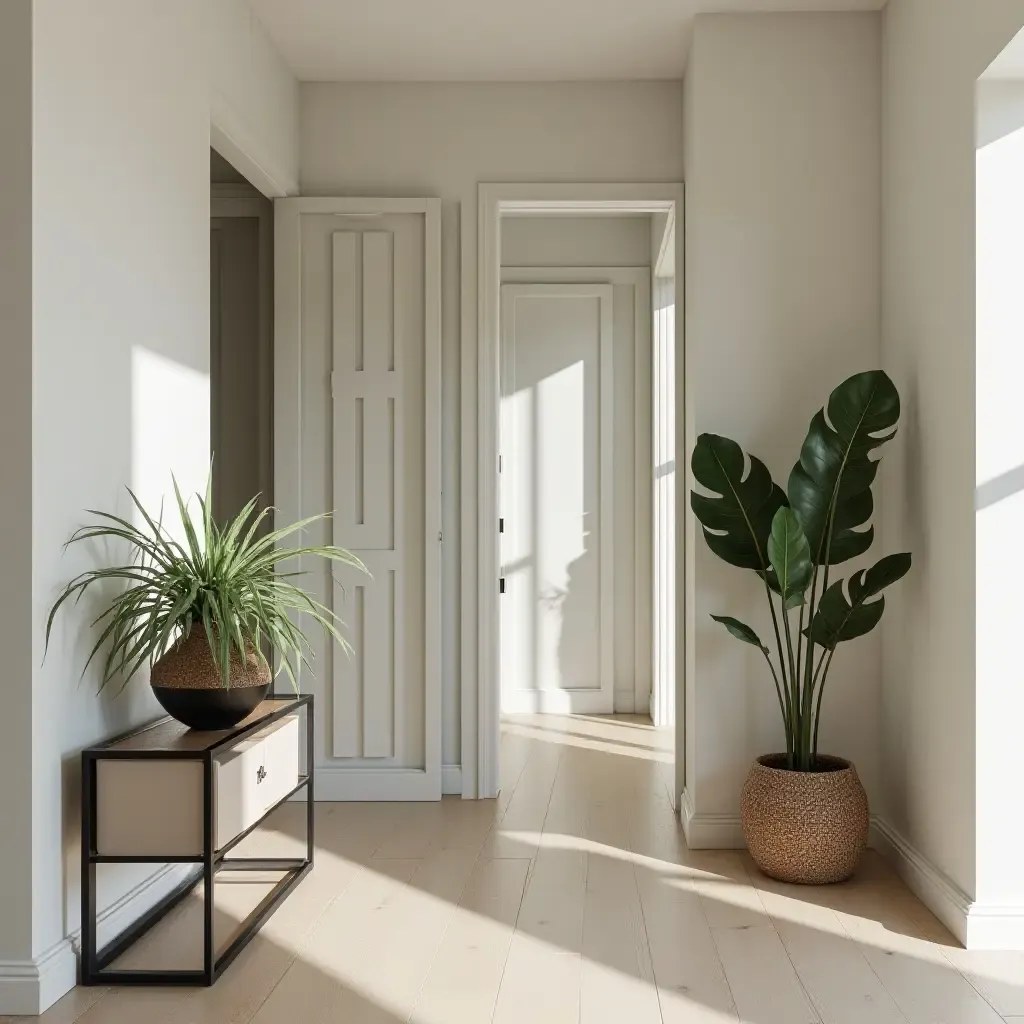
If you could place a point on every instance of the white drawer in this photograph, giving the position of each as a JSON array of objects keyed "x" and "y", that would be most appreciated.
[
  {"x": 253, "y": 775},
  {"x": 280, "y": 760}
]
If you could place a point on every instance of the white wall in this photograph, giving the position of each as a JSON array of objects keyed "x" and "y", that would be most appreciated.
[
  {"x": 937, "y": 743},
  {"x": 782, "y": 156},
  {"x": 116, "y": 368},
  {"x": 576, "y": 241},
  {"x": 442, "y": 140}
]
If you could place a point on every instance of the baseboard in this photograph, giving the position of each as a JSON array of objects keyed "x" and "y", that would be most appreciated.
[
  {"x": 976, "y": 925},
  {"x": 451, "y": 780},
  {"x": 624, "y": 702},
  {"x": 723, "y": 831},
  {"x": 709, "y": 831},
  {"x": 30, "y": 987},
  {"x": 376, "y": 784}
]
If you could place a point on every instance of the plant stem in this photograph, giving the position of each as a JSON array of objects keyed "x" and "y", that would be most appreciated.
[
  {"x": 827, "y": 661},
  {"x": 788, "y": 715},
  {"x": 789, "y": 641},
  {"x": 782, "y": 707},
  {"x": 807, "y": 667},
  {"x": 800, "y": 640}
]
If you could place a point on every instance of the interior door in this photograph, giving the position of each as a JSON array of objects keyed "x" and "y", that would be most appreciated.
[
  {"x": 357, "y": 421},
  {"x": 557, "y": 614}
]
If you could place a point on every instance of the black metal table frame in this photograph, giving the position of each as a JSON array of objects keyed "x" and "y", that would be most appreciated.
[{"x": 94, "y": 962}]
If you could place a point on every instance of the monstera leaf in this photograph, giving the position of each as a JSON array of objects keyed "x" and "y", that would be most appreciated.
[
  {"x": 833, "y": 478},
  {"x": 841, "y": 618},
  {"x": 790, "y": 555},
  {"x": 737, "y": 520}
]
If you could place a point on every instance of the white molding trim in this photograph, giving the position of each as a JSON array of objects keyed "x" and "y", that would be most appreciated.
[
  {"x": 977, "y": 925},
  {"x": 710, "y": 831},
  {"x": 480, "y": 558},
  {"x": 934, "y": 888},
  {"x": 333, "y": 781},
  {"x": 451, "y": 780},
  {"x": 30, "y": 987},
  {"x": 339, "y": 784},
  {"x": 229, "y": 136}
]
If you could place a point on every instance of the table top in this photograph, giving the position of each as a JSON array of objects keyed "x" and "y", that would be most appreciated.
[{"x": 170, "y": 737}]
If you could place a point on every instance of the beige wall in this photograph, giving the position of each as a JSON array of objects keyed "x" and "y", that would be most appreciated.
[
  {"x": 937, "y": 740},
  {"x": 782, "y": 156},
  {"x": 442, "y": 140}
]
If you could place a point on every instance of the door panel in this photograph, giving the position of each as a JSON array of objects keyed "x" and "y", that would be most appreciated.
[
  {"x": 367, "y": 416},
  {"x": 557, "y": 628}
]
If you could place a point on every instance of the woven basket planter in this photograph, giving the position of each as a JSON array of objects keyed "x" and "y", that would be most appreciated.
[
  {"x": 805, "y": 827},
  {"x": 187, "y": 683}
]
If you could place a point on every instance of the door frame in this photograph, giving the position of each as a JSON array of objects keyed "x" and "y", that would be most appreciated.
[
  {"x": 364, "y": 783},
  {"x": 587, "y": 701},
  {"x": 480, "y": 397}
]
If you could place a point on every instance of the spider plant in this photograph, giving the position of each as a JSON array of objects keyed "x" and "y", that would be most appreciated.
[
  {"x": 223, "y": 579},
  {"x": 792, "y": 540}
]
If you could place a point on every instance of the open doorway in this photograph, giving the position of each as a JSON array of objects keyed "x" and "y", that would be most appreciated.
[
  {"x": 578, "y": 313},
  {"x": 241, "y": 340}
]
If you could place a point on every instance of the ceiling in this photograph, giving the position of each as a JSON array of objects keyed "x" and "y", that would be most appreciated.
[{"x": 498, "y": 40}]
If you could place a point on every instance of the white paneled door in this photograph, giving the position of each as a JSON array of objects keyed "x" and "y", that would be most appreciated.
[
  {"x": 357, "y": 429},
  {"x": 556, "y": 611}
]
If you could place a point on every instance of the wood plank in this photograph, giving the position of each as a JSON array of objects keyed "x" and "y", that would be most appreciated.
[
  {"x": 836, "y": 975},
  {"x": 540, "y": 985},
  {"x": 763, "y": 983},
  {"x": 463, "y": 982},
  {"x": 922, "y": 982},
  {"x": 691, "y": 982},
  {"x": 617, "y": 980}
]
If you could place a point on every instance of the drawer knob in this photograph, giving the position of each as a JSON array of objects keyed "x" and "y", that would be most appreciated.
[{"x": 261, "y": 774}]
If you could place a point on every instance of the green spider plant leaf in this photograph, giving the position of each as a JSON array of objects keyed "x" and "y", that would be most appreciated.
[
  {"x": 790, "y": 556},
  {"x": 740, "y": 630},
  {"x": 223, "y": 580},
  {"x": 737, "y": 517},
  {"x": 831, "y": 484},
  {"x": 845, "y": 616}
]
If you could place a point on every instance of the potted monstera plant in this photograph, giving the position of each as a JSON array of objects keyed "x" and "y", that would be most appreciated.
[
  {"x": 805, "y": 813},
  {"x": 204, "y": 614}
]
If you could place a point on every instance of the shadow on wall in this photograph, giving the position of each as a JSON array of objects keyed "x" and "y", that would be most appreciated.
[{"x": 578, "y": 641}]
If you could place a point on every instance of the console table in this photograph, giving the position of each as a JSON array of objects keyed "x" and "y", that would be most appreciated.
[{"x": 168, "y": 794}]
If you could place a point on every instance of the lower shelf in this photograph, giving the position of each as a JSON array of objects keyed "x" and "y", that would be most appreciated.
[{"x": 246, "y": 892}]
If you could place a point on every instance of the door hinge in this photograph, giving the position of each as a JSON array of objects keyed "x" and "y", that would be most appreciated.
[
  {"x": 501, "y": 526},
  {"x": 501, "y": 585}
]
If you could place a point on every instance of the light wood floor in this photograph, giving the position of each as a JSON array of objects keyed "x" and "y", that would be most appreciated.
[{"x": 572, "y": 898}]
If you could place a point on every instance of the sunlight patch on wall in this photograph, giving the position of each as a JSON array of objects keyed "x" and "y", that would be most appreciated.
[{"x": 170, "y": 432}]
